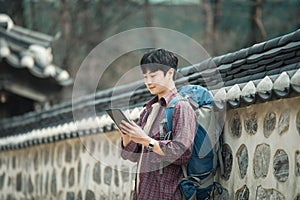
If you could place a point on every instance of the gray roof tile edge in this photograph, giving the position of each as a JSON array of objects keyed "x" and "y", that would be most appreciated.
[
  {"x": 72, "y": 129},
  {"x": 235, "y": 96},
  {"x": 33, "y": 52}
]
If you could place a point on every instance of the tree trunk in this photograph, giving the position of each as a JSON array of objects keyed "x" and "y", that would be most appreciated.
[
  {"x": 217, "y": 8},
  {"x": 208, "y": 17},
  {"x": 257, "y": 27},
  {"x": 33, "y": 17},
  {"x": 148, "y": 17},
  {"x": 212, "y": 14},
  {"x": 148, "y": 21},
  {"x": 66, "y": 28}
]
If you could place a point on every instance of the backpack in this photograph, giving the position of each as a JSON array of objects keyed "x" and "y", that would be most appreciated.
[{"x": 198, "y": 182}]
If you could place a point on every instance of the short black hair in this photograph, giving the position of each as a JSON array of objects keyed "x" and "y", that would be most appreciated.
[{"x": 158, "y": 59}]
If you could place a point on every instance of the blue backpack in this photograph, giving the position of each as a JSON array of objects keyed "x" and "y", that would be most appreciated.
[{"x": 198, "y": 182}]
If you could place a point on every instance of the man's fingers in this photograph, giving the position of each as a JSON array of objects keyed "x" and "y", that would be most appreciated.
[
  {"x": 124, "y": 129},
  {"x": 127, "y": 128}
]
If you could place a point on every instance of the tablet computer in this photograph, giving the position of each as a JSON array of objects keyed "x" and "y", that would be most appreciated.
[{"x": 117, "y": 116}]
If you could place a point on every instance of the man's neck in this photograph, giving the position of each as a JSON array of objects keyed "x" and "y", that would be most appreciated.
[{"x": 166, "y": 92}]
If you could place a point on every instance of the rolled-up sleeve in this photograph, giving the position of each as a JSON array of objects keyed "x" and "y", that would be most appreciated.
[{"x": 178, "y": 150}]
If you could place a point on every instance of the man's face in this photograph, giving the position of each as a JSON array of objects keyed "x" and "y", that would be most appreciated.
[{"x": 158, "y": 83}]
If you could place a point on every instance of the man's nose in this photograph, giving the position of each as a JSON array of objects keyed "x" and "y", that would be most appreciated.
[{"x": 148, "y": 80}]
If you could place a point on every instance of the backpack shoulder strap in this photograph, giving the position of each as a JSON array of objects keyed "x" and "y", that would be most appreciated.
[
  {"x": 169, "y": 114},
  {"x": 168, "y": 123}
]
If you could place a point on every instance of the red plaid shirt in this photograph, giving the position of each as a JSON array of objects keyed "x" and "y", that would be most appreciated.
[{"x": 153, "y": 184}]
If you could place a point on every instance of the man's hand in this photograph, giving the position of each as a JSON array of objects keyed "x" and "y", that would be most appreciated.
[
  {"x": 126, "y": 138},
  {"x": 135, "y": 132},
  {"x": 138, "y": 135}
]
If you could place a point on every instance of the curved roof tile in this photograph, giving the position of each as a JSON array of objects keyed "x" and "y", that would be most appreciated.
[{"x": 23, "y": 48}]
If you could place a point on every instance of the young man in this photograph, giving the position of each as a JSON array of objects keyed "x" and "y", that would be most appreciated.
[{"x": 159, "y": 157}]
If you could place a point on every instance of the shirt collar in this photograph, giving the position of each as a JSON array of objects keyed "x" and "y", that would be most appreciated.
[{"x": 165, "y": 100}]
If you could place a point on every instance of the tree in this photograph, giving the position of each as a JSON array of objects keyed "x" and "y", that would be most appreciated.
[
  {"x": 212, "y": 13},
  {"x": 258, "y": 33},
  {"x": 84, "y": 25}
]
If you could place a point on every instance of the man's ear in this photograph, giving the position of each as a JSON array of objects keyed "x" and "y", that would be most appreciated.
[{"x": 171, "y": 72}]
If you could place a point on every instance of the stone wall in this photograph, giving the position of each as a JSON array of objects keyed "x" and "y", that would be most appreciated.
[
  {"x": 81, "y": 168},
  {"x": 261, "y": 153}
]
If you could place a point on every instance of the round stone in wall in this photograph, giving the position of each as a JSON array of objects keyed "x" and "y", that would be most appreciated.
[
  {"x": 261, "y": 160},
  {"x": 116, "y": 177},
  {"x": 90, "y": 195},
  {"x": 284, "y": 122},
  {"x": 71, "y": 177},
  {"x": 77, "y": 150},
  {"x": 53, "y": 186},
  {"x": 281, "y": 165},
  {"x": 251, "y": 123},
  {"x": 30, "y": 185},
  {"x": 125, "y": 173},
  {"x": 297, "y": 161},
  {"x": 64, "y": 177},
  {"x": 235, "y": 125},
  {"x": 242, "y": 193},
  {"x": 97, "y": 173},
  {"x": 242, "y": 156},
  {"x": 47, "y": 183},
  {"x": 79, "y": 171},
  {"x": 107, "y": 175},
  {"x": 227, "y": 159},
  {"x": 298, "y": 122},
  {"x": 79, "y": 196},
  {"x": 70, "y": 195},
  {"x": 14, "y": 162},
  {"x": 19, "y": 182},
  {"x": 36, "y": 160},
  {"x": 46, "y": 156},
  {"x": 269, "y": 123},
  {"x": 68, "y": 155},
  {"x": 59, "y": 157},
  {"x": 262, "y": 193}
]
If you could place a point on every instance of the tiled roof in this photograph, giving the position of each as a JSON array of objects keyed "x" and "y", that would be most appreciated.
[
  {"x": 24, "y": 48},
  {"x": 263, "y": 72}
]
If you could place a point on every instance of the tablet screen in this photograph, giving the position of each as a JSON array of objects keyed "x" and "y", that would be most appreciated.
[{"x": 117, "y": 116}]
